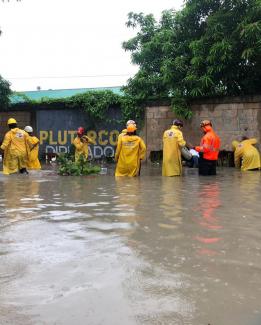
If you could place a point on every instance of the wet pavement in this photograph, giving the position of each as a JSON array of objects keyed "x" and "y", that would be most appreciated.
[{"x": 148, "y": 250}]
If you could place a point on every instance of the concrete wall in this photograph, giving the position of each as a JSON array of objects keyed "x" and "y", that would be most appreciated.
[
  {"x": 23, "y": 118},
  {"x": 56, "y": 128},
  {"x": 231, "y": 118}
]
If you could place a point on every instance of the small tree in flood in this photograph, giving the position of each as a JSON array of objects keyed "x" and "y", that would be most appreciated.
[{"x": 69, "y": 167}]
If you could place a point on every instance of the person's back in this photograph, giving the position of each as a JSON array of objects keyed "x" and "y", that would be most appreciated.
[
  {"x": 33, "y": 152},
  {"x": 249, "y": 154},
  {"x": 16, "y": 141},
  {"x": 172, "y": 142},
  {"x": 208, "y": 149},
  {"x": 34, "y": 162},
  {"x": 130, "y": 151},
  {"x": 212, "y": 145},
  {"x": 16, "y": 150}
]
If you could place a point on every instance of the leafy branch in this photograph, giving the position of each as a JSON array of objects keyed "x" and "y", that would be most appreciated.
[{"x": 95, "y": 103}]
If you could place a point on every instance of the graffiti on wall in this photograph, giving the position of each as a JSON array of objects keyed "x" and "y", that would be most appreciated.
[{"x": 60, "y": 141}]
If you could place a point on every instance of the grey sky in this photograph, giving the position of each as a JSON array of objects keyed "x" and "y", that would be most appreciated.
[{"x": 70, "y": 39}]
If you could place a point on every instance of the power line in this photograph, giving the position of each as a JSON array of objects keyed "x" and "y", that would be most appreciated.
[{"x": 70, "y": 77}]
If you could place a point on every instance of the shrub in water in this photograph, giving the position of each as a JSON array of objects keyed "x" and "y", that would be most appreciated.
[{"x": 82, "y": 167}]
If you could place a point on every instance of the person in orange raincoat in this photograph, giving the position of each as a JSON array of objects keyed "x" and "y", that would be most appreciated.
[
  {"x": 33, "y": 161},
  {"x": 246, "y": 155},
  {"x": 130, "y": 151},
  {"x": 172, "y": 143},
  {"x": 16, "y": 149},
  {"x": 208, "y": 149},
  {"x": 81, "y": 144}
]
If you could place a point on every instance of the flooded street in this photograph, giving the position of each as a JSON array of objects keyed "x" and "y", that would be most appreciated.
[{"x": 98, "y": 250}]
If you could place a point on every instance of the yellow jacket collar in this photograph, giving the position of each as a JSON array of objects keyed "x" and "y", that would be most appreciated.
[{"x": 175, "y": 127}]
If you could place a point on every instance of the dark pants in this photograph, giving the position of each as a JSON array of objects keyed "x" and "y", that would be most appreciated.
[
  {"x": 193, "y": 162},
  {"x": 206, "y": 167}
]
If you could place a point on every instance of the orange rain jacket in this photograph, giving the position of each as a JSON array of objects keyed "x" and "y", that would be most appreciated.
[{"x": 209, "y": 145}]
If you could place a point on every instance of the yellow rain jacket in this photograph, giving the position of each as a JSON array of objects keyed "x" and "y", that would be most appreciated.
[
  {"x": 172, "y": 142},
  {"x": 123, "y": 132},
  {"x": 249, "y": 155},
  {"x": 130, "y": 151},
  {"x": 15, "y": 146},
  {"x": 81, "y": 148},
  {"x": 33, "y": 162}
]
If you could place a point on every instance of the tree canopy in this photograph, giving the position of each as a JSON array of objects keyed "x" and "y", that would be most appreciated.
[
  {"x": 209, "y": 48},
  {"x": 5, "y": 91}
]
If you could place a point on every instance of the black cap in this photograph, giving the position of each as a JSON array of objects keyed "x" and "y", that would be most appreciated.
[{"x": 177, "y": 122}]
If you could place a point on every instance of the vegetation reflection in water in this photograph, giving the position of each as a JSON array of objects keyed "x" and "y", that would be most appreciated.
[{"x": 147, "y": 250}]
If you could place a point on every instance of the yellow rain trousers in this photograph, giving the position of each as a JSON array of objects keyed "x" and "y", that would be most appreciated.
[
  {"x": 81, "y": 148},
  {"x": 172, "y": 142},
  {"x": 130, "y": 151},
  {"x": 33, "y": 162},
  {"x": 15, "y": 146},
  {"x": 248, "y": 154}
]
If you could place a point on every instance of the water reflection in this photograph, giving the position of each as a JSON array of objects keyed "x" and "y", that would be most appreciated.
[
  {"x": 171, "y": 203},
  {"x": 154, "y": 277},
  {"x": 249, "y": 183},
  {"x": 147, "y": 250},
  {"x": 206, "y": 216},
  {"x": 19, "y": 200}
]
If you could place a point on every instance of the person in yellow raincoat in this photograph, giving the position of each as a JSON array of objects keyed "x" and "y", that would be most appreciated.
[
  {"x": 172, "y": 143},
  {"x": 124, "y": 131},
  {"x": 16, "y": 150},
  {"x": 81, "y": 144},
  {"x": 33, "y": 161},
  {"x": 246, "y": 155},
  {"x": 130, "y": 151}
]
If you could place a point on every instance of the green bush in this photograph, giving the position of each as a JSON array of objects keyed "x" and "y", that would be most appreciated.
[{"x": 68, "y": 167}]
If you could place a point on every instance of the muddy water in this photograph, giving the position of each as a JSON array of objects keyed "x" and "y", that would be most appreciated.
[{"x": 152, "y": 250}]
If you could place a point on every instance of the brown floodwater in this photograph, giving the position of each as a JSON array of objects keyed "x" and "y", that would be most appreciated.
[{"x": 103, "y": 251}]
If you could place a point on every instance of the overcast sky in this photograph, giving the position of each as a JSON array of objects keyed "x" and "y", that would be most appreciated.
[{"x": 43, "y": 40}]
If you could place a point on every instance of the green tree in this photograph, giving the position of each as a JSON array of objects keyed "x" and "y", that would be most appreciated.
[
  {"x": 209, "y": 48},
  {"x": 5, "y": 92}
]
